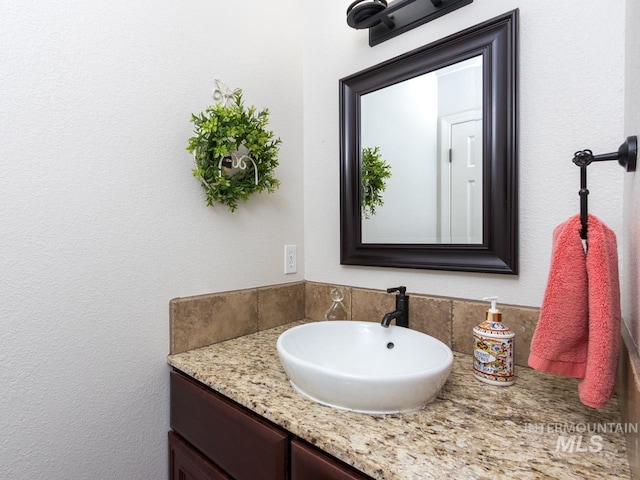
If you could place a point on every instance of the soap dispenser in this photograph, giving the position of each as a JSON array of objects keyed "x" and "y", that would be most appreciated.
[{"x": 493, "y": 349}]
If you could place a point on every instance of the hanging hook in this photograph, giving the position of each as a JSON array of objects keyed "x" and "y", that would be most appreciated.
[
  {"x": 627, "y": 156},
  {"x": 582, "y": 158}
]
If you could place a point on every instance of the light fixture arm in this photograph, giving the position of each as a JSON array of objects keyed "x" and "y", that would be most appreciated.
[{"x": 385, "y": 22}]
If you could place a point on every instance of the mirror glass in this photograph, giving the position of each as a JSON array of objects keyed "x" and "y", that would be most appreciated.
[
  {"x": 433, "y": 149},
  {"x": 429, "y": 155}
]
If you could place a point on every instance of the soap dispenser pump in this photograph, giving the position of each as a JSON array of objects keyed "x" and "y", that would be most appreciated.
[{"x": 493, "y": 349}]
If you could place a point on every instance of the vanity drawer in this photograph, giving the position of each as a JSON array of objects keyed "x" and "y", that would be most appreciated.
[
  {"x": 186, "y": 463},
  {"x": 309, "y": 463},
  {"x": 244, "y": 446}
]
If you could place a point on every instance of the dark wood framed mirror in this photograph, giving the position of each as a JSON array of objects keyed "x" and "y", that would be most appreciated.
[{"x": 433, "y": 217}]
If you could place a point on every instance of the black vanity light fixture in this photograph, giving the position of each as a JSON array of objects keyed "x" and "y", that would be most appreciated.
[{"x": 385, "y": 21}]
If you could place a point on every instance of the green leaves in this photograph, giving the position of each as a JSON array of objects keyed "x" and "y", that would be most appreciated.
[
  {"x": 221, "y": 131},
  {"x": 373, "y": 175}
]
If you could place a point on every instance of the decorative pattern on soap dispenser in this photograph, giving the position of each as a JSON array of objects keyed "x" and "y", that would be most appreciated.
[
  {"x": 493, "y": 359},
  {"x": 493, "y": 344},
  {"x": 494, "y": 328}
]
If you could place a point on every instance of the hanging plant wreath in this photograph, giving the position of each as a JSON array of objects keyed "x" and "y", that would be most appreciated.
[
  {"x": 374, "y": 174},
  {"x": 235, "y": 155}
]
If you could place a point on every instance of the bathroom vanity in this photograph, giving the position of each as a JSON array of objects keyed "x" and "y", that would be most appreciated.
[
  {"x": 235, "y": 415},
  {"x": 237, "y": 443}
]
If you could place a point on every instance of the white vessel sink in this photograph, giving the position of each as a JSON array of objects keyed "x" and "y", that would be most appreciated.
[{"x": 363, "y": 366}]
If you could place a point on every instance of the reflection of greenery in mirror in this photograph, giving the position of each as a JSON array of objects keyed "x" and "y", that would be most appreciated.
[
  {"x": 375, "y": 171},
  {"x": 435, "y": 141}
]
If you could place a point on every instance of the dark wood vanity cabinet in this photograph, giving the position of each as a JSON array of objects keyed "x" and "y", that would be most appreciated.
[
  {"x": 242, "y": 445},
  {"x": 214, "y": 438},
  {"x": 308, "y": 463},
  {"x": 186, "y": 463}
]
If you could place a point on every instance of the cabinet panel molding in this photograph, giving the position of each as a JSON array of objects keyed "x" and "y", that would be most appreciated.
[
  {"x": 185, "y": 463},
  {"x": 243, "y": 445}
]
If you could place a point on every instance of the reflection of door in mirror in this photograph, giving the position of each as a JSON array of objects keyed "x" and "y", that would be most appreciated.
[
  {"x": 404, "y": 120},
  {"x": 461, "y": 185}
]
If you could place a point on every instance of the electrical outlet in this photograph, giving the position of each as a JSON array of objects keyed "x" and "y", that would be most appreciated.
[{"x": 290, "y": 260}]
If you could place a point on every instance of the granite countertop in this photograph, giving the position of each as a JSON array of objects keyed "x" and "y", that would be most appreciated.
[{"x": 536, "y": 428}]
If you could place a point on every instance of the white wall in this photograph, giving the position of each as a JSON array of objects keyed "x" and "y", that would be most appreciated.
[
  {"x": 571, "y": 97},
  {"x": 410, "y": 146},
  {"x": 102, "y": 223},
  {"x": 631, "y": 268}
]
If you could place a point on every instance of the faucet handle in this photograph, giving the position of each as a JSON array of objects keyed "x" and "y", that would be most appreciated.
[{"x": 402, "y": 290}]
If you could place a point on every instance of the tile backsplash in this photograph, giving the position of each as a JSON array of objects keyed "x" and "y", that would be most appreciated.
[
  {"x": 205, "y": 319},
  {"x": 450, "y": 320}
]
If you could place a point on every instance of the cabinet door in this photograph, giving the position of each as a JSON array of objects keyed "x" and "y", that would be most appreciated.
[
  {"x": 185, "y": 463},
  {"x": 308, "y": 463},
  {"x": 238, "y": 441}
]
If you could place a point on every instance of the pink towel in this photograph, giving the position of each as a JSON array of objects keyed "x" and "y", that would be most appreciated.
[
  {"x": 579, "y": 326},
  {"x": 560, "y": 341}
]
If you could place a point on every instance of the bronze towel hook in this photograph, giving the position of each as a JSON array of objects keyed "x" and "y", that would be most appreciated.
[{"x": 627, "y": 156}]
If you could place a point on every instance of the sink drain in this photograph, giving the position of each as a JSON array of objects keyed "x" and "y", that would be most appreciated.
[{"x": 390, "y": 345}]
